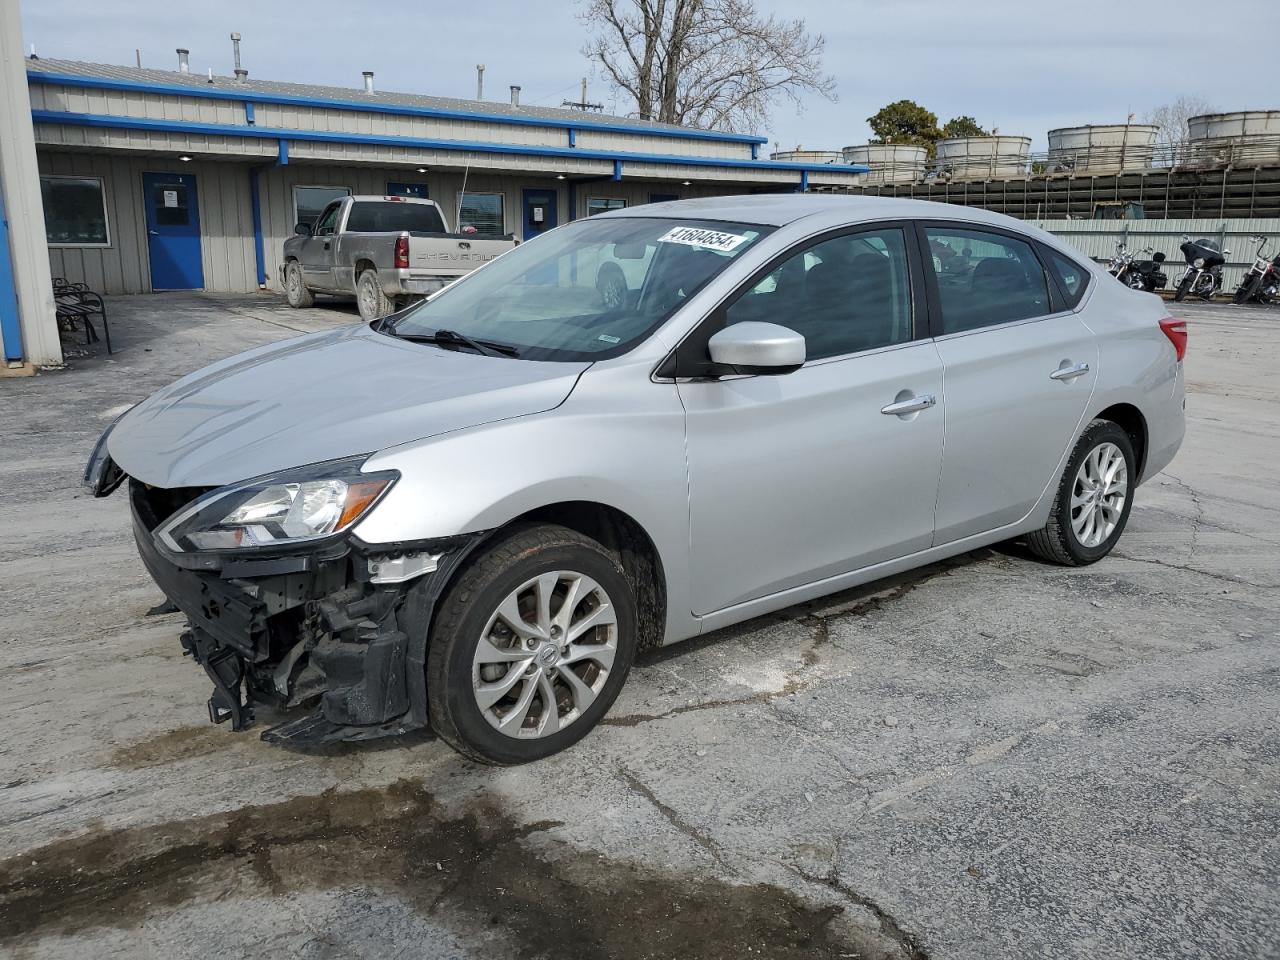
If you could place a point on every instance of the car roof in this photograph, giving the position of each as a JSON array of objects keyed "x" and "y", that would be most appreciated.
[{"x": 780, "y": 209}]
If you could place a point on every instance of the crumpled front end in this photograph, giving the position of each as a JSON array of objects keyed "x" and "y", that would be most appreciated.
[{"x": 338, "y": 625}]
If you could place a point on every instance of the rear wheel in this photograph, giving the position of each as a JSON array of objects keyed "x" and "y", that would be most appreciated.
[
  {"x": 370, "y": 300},
  {"x": 531, "y": 646},
  {"x": 612, "y": 286},
  {"x": 1095, "y": 494},
  {"x": 295, "y": 290}
]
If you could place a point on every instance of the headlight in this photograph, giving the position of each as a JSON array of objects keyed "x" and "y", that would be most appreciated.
[
  {"x": 101, "y": 475},
  {"x": 291, "y": 507},
  {"x": 1198, "y": 262}
]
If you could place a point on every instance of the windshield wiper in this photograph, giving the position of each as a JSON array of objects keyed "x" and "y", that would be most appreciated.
[{"x": 488, "y": 348}]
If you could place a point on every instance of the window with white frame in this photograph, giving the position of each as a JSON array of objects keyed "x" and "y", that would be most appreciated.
[
  {"x": 75, "y": 211},
  {"x": 308, "y": 202},
  {"x": 482, "y": 213},
  {"x": 603, "y": 205}
]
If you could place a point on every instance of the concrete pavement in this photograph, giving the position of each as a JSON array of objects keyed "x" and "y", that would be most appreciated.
[{"x": 989, "y": 757}]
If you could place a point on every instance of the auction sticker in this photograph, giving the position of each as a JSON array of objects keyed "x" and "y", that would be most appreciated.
[{"x": 697, "y": 237}]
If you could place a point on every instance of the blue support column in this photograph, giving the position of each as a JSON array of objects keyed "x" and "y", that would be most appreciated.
[
  {"x": 573, "y": 137},
  {"x": 284, "y": 153},
  {"x": 617, "y": 170},
  {"x": 755, "y": 151},
  {"x": 10, "y": 329},
  {"x": 248, "y": 112},
  {"x": 804, "y": 181},
  {"x": 255, "y": 205}
]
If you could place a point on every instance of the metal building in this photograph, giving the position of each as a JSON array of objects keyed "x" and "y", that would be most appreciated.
[{"x": 157, "y": 179}]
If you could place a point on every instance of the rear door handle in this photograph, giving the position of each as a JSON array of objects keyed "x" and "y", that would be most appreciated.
[
  {"x": 1070, "y": 373},
  {"x": 911, "y": 405}
]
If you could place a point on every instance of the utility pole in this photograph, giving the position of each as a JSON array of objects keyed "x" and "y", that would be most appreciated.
[{"x": 583, "y": 104}]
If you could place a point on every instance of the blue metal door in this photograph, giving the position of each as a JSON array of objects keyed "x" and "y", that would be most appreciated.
[
  {"x": 173, "y": 231},
  {"x": 539, "y": 212}
]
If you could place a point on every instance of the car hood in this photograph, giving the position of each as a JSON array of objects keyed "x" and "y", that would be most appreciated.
[{"x": 321, "y": 397}]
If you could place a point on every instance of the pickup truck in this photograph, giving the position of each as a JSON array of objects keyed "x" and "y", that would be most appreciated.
[{"x": 384, "y": 251}]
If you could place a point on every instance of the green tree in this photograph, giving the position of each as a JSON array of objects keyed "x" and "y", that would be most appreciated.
[
  {"x": 905, "y": 121},
  {"x": 964, "y": 126}
]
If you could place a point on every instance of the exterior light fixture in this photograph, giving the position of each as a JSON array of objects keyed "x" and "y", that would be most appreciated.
[
  {"x": 561, "y": 176},
  {"x": 685, "y": 183},
  {"x": 422, "y": 169},
  {"x": 184, "y": 158}
]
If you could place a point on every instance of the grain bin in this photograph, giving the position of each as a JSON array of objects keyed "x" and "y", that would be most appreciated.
[
  {"x": 982, "y": 158},
  {"x": 1243, "y": 138},
  {"x": 889, "y": 162},
  {"x": 1102, "y": 148}
]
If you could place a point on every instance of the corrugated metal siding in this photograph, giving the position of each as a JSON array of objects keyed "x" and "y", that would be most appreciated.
[
  {"x": 204, "y": 110},
  {"x": 1097, "y": 239},
  {"x": 226, "y": 226}
]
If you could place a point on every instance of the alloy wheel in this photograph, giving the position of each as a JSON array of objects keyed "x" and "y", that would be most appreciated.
[
  {"x": 544, "y": 654},
  {"x": 1098, "y": 495}
]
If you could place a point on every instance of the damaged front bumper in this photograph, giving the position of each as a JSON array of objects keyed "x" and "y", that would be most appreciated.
[{"x": 342, "y": 625}]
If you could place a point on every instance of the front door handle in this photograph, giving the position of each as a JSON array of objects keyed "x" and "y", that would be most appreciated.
[
  {"x": 900, "y": 408},
  {"x": 154, "y": 233},
  {"x": 1070, "y": 373}
]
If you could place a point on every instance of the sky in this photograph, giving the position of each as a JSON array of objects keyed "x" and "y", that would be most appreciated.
[{"x": 1022, "y": 66}]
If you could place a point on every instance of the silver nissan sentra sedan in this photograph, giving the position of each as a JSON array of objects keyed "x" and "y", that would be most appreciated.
[{"x": 473, "y": 514}]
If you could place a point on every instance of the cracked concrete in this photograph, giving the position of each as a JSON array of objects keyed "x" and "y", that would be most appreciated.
[{"x": 989, "y": 757}]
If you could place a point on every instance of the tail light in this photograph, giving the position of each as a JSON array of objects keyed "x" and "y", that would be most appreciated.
[
  {"x": 1176, "y": 331},
  {"x": 402, "y": 262}
]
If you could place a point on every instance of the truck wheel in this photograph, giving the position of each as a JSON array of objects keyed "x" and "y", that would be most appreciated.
[
  {"x": 612, "y": 286},
  {"x": 295, "y": 290},
  {"x": 371, "y": 301},
  {"x": 531, "y": 645}
]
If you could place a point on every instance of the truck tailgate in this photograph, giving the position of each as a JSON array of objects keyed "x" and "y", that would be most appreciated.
[{"x": 454, "y": 255}]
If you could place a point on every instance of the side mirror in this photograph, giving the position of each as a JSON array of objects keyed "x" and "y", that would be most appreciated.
[
  {"x": 302, "y": 229},
  {"x": 757, "y": 348}
]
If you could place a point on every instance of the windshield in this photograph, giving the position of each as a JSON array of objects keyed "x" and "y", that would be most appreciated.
[{"x": 588, "y": 291}]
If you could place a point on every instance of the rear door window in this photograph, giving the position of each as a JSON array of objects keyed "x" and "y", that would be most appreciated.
[{"x": 985, "y": 278}]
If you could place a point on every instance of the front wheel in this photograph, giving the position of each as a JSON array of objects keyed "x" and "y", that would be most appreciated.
[
  {"x": 372, "y": 303},
  {"x": 1095, "y": 494},
  {"x": 295, "y": 288},
  {"x": 531, "y": 645},
  {"x": 1184, "y": 287}
]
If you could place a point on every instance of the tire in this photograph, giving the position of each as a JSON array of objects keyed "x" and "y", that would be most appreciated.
[
  {"x": 612, "y": 287},
  {"x": 1061, "y": 540},
  {"x": 1247, "y": 292},
  {"x": 372, "y": 303},
  {"x": 1184, "y": 285},
  {"x": 458, "y": 667},
  {"x": 295, "y": 289}
]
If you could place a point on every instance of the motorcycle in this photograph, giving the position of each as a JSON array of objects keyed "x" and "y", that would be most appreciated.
[
  {"x": 1203, "y": 276},
  {"x": 1135, "y": 273},
  {"x": 1261, "y": 284}
]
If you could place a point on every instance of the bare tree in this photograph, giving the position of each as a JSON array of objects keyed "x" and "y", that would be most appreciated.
[
  {"x": 716, "y": 64},
  {"x": 1172, "y": 118}
]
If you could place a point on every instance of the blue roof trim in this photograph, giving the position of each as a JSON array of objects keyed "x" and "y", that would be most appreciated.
[
  {"x": 284, "y": 99},
  {"x": 470, "y": 146}
]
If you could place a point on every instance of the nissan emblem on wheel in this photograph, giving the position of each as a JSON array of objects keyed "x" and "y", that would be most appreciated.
[{"x": 635, "y": 429}]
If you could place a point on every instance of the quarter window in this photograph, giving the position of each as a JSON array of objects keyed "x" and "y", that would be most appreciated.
[
  {"x": 844, "y": 295},
  {"x": 482, "y": 213},
  {"x": 75, "y": 213},
  {"x": 1071, "y": 277},
  {"x": 985, "y": 278},
  {"x": 308, "y": 202}
]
